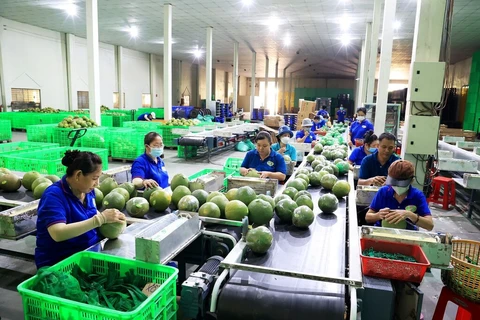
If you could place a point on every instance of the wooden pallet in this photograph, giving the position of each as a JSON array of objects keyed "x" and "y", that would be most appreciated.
[{"x": 120, "y": 160}]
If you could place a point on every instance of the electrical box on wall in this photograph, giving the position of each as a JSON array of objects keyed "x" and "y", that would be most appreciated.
[
  {"x": 427, "y": 81},
  {"x": 421, "y": 136}
]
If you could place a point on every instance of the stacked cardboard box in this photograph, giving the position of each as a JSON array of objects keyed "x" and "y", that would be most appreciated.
[
  {"x": 307, "y": 110},
  {"x": 273, "y": 121},
  {"x": 445, "y": 131}
]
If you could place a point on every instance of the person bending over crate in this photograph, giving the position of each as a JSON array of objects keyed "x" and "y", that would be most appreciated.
[
  {"x": 67, "y": 214},
  {"x": 398, "y": 204},
  {"x": 149, "y": 116}
]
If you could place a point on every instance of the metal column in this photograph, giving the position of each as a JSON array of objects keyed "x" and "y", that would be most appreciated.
[
  {"x": 235, "y": 76},
  {"x": 265, "y": 104},
  {"x": 290, "y": 91},
  {"x": 93, "y": 61},
  {"x": 275, "y": 108},
  {"x": 209, "y": 70},
  {"x": 385, "y": 64},
  {"x": 153, "y": 84},
  {"x": 360, "y": 72},
  {"x": 3, "y": 85},
  {"x": 252, "y": 89},
  {"x": 167, "y": 61},
  {"x": 70, "y": 52},
  {"x": 372, "y": 65},
  {"x": 364, "y": 64},
  {"x": 284, "y": 94},
  {"x": 118, "y": 62}
]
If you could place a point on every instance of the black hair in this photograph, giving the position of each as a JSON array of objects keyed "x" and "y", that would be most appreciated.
[
  {"x": 369, "y": 137},
  {"x": 262, "y": 136},
  {"x": 149, "y": 137},
  {"x": 316, "y": 118},
  {"x": 362, "y": 109},
  {"x": 324, "y": 107},
  {"x": 85, "y": 161},
  {"x": 388, "y": 136}
]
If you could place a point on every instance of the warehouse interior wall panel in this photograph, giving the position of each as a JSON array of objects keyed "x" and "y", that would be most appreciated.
[
  {"x": 188, "y": 81},
  {"x": 135, "y": 77},
  {"x": 202, "y": 82},
  {"x": 159, "y": 80},
  {"x": 220, "y": 85},
  {"x": 459, "y": 74},
  {"x": 32, "y": 59}
]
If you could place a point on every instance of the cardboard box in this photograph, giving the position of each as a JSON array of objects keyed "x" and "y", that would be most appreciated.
[
  {"x": 306, "y": 106},
  {"x": 273, "y": 121}
]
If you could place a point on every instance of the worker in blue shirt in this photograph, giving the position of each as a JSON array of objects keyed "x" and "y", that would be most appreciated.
[
  {"x": 359, "y": 127},
  {"x": 324, "y": 113},
  {"x": 149, "y": 116},
  {"x": 148, "y": 170},
  {"x": 370, "y": 145},
  {"x": 392, "y": 201},
  {"x": 268, "y": 163},
  {"x": 341, "y": 113},
  {"x": 67, "y": 214},
  {"x": 318, "y": 123},
  {"x": 283, "y": 145},
  {"x": 374, "y": 168},
  {"x": 306, "y": 135}
]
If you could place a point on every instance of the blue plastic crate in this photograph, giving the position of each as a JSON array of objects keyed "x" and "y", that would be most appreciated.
[{"x": 181, "y": 112}]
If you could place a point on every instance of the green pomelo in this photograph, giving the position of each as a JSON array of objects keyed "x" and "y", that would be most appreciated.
[
  {"x": 302, "y": 193},
  {"x": 221, "y": 201},
  {"x": 316, "y": 163},
  {"x": 179, "y": 180},
  {"x": 329, "y": 169},
  {"x": 253, "y": 173},
  {"x": 231, "y": 194},
  {"x": 52, "y": 178},
  {"x": 39, "y": 181},
  {"x": 196, "y": 185},
  {"x": 328, "y": 181},
  {"x": 304, "y": 201},
  {"x": 400, "y": 225},
  {"x": 310, "y": 158},
  {"x": 297, "y": 184},
  {"x": 236, "y": 210},
  {"x": 188, "y": 203},
  {"x": 148, "y": 192},
  {"x": 123, "y": 192},
  {"x": 291, "y": 192},
  {"x": 341, "y": 188},
  {"x": 209, "y": 209},
  {"x": 281, "y": 197},
  {"x": 259, "y": 240},
  {"x": 213, "y": 194},
  {"x": 328, "y": 203},
  {"x": 269, "y": 199},
  {"x": 9, "y": 182},
  {"x": 113, "y": 200},
  {"x": 112, "y": 230},
  {"x": 107, "y": 185},
  {"x": 304, "y": 170},
  {"x": 29, "y": 178},
  {"x": 98, "y": 198},
  {"x": 315, "y": 179},
  {"x": 260, "y": 212},
  {"x": 103, "y": 177},
  {"x": 303, "y": 177},
  {"x": 284, "y": 210},
  {"x": 318, "y": 148},
  {"x": 130, "y": 187},
  {"x": 336, "y": 161},
  {"x": 303, "y": 216},
  {"x": 160, "y": 200},
  {"x": 246, "y": 194},
  {"x": 201, "y": 196},
  {"x": 137, "y": 207},
  {"x": 179, "y": 193}
]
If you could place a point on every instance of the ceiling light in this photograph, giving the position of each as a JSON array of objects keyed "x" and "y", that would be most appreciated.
[
  {"x": 288, "y": 41},
  {"x": 247, "y": 3},
  {"x": 71, "y": 9},
  {"x": 397, "y": 25},
  {"x": 273, "y": 23},
  {"x": 345, "y": 40},
  {"x": 133, "y": 31},
  {"x": 197, "y": 54}
]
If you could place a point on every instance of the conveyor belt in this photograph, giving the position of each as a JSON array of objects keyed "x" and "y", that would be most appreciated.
[{"x": 320, "y": 249}]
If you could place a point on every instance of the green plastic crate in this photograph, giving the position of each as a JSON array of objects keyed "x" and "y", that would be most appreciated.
[
  {"x": 190, "y": 150},
  {"x": 169, "y": 137},
  {"x": 107, "y": 120},
  {"x": 47, "y": 161},
  {"x": 143, "y": 125},
  {"x": 19, "y": 147},
  {"x": 127, "y": 113},
  {"x": 60, "y": 136},
  {"x": 159, "y": 112},
  {"x": 40, "y": 132},
  {"x": 5, "y": 130},
  {"x": 162, "y": 304},
  {"x": 207, "y": 171},
  {"x": 232, "y": 166},
  {"x": 96, "y": 138},
  {"x": 127, "y": 143}
]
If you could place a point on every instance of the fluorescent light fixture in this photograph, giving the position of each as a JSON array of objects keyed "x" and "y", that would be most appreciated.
[
  {"x": 396, "y": 25},
  {"x": 287, "y": 41},
  {"x": 71, "y": 9},
  {"x": 133, "y": 31},
  {"x": 247, "y": 3},
  {"x": 273, "y": 23},
  {"x": 345, "y": 40},
  {"x": 197, "y": 54}
]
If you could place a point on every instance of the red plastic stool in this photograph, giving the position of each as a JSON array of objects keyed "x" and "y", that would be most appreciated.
[
  {"x": 448, "y": 192},
  {"x": 467, "y": 310}
]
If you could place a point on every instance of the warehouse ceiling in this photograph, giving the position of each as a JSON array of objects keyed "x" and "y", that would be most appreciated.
[{"x": 314, "y": 28}]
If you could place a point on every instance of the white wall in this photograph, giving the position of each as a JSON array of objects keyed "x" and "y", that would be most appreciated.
[
  {"x": 159, "y": 80},
  {"x": 135, "y": 77},
  {"x": 34, "y": 58}
]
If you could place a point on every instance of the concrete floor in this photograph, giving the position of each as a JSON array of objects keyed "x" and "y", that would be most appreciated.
[{"x": 15, "y": 270}]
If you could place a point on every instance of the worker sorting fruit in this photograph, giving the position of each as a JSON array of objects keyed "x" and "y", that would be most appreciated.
[
  {"x": 306, "y": 135},
  {"x": 374, "y": 167},
  {"x": 283, "y": 145},
  {"x": 318, "y": 123},
  {"x": 264, "y": 162},
  {"x": 149, "y": 116},
  {"x": 67, "y": 214},
  {"x": 370, "y": 145},
  {"x": 398, "y": 204},
  {"x": 148, "y": 170},
  {"x": 359, "y": 127}
]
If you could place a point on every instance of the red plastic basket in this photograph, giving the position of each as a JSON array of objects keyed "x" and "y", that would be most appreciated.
[
  {"x": 358, "y": 142},
  {"x": 394, "y": 269}
]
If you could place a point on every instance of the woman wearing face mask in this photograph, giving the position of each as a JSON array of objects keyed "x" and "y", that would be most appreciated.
[
  {"x": 283, "y": 146},
  {"x": 306, "y": 135},
  {"x": 370, "y": 145},
  {"x": 359, "y": 127},
  {"x": 391, "y": 201},
  {"x": 341, "y": 113},
  {"x": 148, "y": 170}
]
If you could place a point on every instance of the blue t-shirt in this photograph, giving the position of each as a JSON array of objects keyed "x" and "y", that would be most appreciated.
[
  {"x": 289, "y": 150},
  {"x": 319, "y": 125},
  {"x": 371, "y": 167},
  {"x": 145, "y": 168},
  {"x": 142, "y": 116},
  {"x": 323, "y": 113},
  {"x": 273, "y": 163},
  {"x": 311, "y": 137},
  {"x": 357, "y": 155},
  {"x": 59, "y": 205},
  {"x": 358, "y": 129},
  {"x": 341, "y": 115},
  {"x": 385, "y": 199}
]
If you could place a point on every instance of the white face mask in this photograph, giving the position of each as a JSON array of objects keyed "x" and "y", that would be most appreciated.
[
  {"x": 400, "y": 190},
  {"x": 360, "y": 118},
  {"x": 285, "y": 140}
]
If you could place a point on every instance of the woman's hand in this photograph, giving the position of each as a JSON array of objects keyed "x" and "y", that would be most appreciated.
[
  {"x": 395, "y": 216},
  {"x": 382, "y": 213},
  {"x": 264, "y": 174},
  {"x": 378, "y": 180},
  {"x": 112, "y": 216},
  {"x": 282, "y": 150},
  {"x": 149, "y": 183},
  {"x": 244, "y": 171},
  {"x": 350, "y": 144}
]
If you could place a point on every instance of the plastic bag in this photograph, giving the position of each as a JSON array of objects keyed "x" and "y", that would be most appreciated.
[
  {"x": 242, "y": 147},
  {"x": 250, "y": 145}
]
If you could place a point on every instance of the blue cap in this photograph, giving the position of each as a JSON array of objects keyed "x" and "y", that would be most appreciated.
[{"x": 284, "y": 129}]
